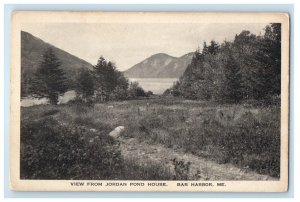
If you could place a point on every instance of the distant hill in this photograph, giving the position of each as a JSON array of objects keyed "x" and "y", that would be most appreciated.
[
  {"x": 32, "y": 49},
  {"x": 160, "y": 65}
]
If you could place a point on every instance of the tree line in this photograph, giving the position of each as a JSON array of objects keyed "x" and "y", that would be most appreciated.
[
  {"x": 248, "y": 68},
  {"x": 100, "y": 84}
]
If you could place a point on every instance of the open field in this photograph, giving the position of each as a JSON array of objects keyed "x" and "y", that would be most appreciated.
[{"x": 243, "y": 140}]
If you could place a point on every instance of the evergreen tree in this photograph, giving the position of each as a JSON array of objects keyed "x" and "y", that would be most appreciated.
[
  {"x": 50, "y": 80},
  {"x": 194, "y": 82},
  {"x": 107, "y": 79},
  {"x": 25, "y": 84},
  {"x": 246, "y": 45},
  {"x": 213, "y": 48},
  {"x": 269, "y": 56},
  {"x": 232, "y": 80},
  {"x": 205, "y": 49},
  {"x": 248, "y": 68},
  {"x": 85, "y": 84}
]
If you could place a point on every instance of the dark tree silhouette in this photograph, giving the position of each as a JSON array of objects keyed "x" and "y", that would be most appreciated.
[
  {"x": 108, "y": 80},
  {"x": 49, "y": 80},
  {"x": 232, "y": 80},
  {"x": 213, "y": 48},
  {"x": 85, "y": 84},
  {"x": 248, "y": 68}
]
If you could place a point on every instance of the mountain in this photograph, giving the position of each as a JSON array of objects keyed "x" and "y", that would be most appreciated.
[
  {"x": 32, "y": 49},
  {"x": 160, "y": 65}
]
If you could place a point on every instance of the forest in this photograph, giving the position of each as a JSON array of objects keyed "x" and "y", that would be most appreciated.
[{"x": 247, "y": 68}]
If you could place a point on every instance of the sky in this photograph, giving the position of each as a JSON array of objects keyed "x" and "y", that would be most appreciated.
[{"x": 129, "y": 44}]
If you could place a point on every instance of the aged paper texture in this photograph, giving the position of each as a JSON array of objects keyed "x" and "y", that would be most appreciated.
[{"x": 156, "y": 102}]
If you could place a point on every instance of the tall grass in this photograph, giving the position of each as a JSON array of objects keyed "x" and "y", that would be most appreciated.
[
  {"x": 248, "y": 140},
  {"x": 245, "y": 135},
  {"x": 142, "y": 169}
]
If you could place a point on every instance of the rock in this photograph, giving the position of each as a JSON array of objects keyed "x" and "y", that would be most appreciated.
[
  {"x": 117, "y": 131},
  {"x": 93, "y": 130}
]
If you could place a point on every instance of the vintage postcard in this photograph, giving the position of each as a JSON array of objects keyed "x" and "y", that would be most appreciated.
[{"x": 141, "y": 101}]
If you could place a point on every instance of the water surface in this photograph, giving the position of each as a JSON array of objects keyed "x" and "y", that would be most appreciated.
[
  {"x": 156, "y": 85},
  {"x": 27, "y": 102}
]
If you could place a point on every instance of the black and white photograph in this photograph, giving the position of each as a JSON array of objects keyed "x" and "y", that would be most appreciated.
[{"x": 149, "y": 101}]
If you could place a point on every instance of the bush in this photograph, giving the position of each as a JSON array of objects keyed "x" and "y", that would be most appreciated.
[
  {"x": 50, "y": 112},
  {"x": 135, "y": 91},
  {"x": 118, "y": 94},
  {"x": 50, "y": 150},
  {"x": 149, "y": 93}
]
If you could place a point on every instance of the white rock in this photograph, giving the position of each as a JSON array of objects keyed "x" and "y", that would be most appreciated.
[
  {"x": 117, "y": 131},
  {"x": 93, "y": 130}
]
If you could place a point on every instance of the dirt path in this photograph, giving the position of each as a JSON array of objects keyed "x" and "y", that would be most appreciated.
[{"x": 208, "y": 170}]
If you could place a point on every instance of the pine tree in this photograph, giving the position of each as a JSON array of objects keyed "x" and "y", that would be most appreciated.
[
  {"x": 232, "y": 85},
  {"x": 213, "y": 48},
  {"x": 85, "y": 84},
  {"x": 194, "y": 83},
  {"x": 49, "y": 80},
  {"x": 107, "y": 79},
  {"x": 205, "y": 49},
  {"x": 248, "y": 68},
  {"x": 269, "y": 56},
  {"x": 100, "y": 81}
]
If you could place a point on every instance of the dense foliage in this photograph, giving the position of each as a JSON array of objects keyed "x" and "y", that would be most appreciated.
[
  {"x": 85, "y": 84},
  {"x": 71, "y": 142},
  {"x": 50, "y": 150},
  {"x": 246, "y": 69},
  {"x": 108, "y": 79},
  {"x": 106, "y": 83}
]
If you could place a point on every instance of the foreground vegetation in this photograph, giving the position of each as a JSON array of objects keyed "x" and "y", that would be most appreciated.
[{"x": 71, "y": 141}]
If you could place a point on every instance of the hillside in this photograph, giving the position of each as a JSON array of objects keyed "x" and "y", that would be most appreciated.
[
  {"x": 32, "y": 49},
  {"x": 160, "y": 65}
]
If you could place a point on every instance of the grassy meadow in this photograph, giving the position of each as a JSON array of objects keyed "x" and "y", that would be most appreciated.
[{"x": 71, "y": 141}]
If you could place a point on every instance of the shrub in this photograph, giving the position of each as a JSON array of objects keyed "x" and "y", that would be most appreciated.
[
  {"x": 50, "y": 112},
  {"x": 135, "y": 90},
  {"x": 181, "y": 169},
  {"x": 50, "y": 150},
  {"x": 118, "y": 94},
  {"x": 149, "y": 93}
]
